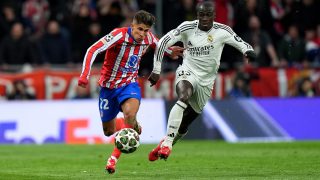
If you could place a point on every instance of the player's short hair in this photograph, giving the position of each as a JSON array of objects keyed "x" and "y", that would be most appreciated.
[
  {"x": 208, "y": 5},
  {"x": 144, "y": 17}
]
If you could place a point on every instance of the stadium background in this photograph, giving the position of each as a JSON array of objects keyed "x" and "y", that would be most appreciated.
[{"x": 273, "y": 99}]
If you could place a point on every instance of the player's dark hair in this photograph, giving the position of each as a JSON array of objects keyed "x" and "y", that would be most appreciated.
[
  {"x": 144, "y": 17},
  {"x": 205, "y": 5}
]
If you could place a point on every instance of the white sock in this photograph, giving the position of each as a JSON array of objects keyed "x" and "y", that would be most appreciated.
[
  {"x": 178, "y": 137},
  {"x": 174, "y": 121}
]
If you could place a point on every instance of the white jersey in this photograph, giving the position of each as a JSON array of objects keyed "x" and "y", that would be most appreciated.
[{"x": 203, "y": 49}]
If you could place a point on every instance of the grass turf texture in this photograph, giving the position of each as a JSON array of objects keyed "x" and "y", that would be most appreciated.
[{"x": 189, "y": 160}]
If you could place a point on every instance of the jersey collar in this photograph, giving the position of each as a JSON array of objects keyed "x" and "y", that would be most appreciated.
[{"x": 130, "y": 35}]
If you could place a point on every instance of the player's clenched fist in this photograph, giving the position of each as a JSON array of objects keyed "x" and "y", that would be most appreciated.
[
  {"x": 154, "y": 78},
  {"x": 83, "y": 82}
]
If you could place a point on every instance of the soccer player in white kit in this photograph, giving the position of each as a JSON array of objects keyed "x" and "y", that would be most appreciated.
[{"x": 203, "y": 40}]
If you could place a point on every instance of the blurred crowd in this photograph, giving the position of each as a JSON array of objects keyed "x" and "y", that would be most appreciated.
[{"x": 42, "y": 33}]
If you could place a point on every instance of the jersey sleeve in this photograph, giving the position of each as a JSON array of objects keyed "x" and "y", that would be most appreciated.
[
  {"x": 166, "y": 41},
  {"x": 101, "y": 45},
  {"x": 155, "y": 41},
  {"x": 234, "y": 40}
]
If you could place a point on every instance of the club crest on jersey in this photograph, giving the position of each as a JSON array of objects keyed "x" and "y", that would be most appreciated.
[{"x": 210, "y": 38}]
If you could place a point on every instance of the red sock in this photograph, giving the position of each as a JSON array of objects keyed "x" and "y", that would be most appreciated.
[
  {"x": 120, "y": 123},
  {"x": 127, "y": 126},
  {"x": 116, "y": 153}
]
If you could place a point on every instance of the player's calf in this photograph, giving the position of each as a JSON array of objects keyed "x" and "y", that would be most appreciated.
[{"x": 138, "y": 128}]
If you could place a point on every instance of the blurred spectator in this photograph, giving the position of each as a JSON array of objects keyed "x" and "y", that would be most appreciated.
[
  {"x": 148, "y": 5},
  {"x": 306, "y": 16},
  {"x": 291, "y": 48},
  {"x": 36, "y": 13},
  {"x": 54, "y": 46},
  {"x": 170, "y": 9},
  {"x": 291, "y": 7},
  {"x": 188, "y": 9},
  {"x": 93, "y": 36},
  {"x": 241, "y": 81},
  {"x": 110, "y": 15},
  {"x": 245, "y": 9},
  {"x": 7, "y": 18},
  {"x": 80, "y": 32},
  {"x": 16, "y": 49},
  {"x": 20, "y": 91},
  {"x": 58, "y": 10},
  {"x": 77, "y": 4},
  {"x": 224, "y": 12},
  {"x": 261, "y": 43},
  {"x": 305, "y": 88},
  {"x": 312, "y": 46},
  {"x": 277, "y": 13},
  {"x": 239, "y": 89}
]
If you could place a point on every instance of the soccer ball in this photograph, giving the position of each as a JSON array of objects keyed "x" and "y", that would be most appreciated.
[{"x": 127, "y": 140}]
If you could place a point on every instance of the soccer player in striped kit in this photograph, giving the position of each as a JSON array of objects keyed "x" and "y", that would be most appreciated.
[
  {"x": 120, "y": 91},
  {"x": 204, "y": 40}
]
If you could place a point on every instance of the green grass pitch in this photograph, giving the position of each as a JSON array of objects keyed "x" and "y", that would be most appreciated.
[{"x": 189, "y": 160}]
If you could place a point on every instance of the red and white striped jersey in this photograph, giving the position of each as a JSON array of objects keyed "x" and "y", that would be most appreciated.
[{"x": 122, "y": 57}]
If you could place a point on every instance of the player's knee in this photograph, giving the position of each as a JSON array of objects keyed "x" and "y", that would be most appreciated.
[
  {"x": 129, "y": 116},
  {"x": 184, "y": 98},
  {"x": 108, "y": 132}
]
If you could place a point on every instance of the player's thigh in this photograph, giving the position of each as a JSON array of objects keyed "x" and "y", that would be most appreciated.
[
  {"x": 184, "y": 78},
  {"x": 199, "y": 98},
  {"x": 130, "y": 106},
  {"x": 129, "y": 99}
]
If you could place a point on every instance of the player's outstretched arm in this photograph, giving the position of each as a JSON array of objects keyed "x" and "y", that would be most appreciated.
[
  {"x": 176, "y": 51},
  {"x": 91, "y": 53},
  {"x": 101, "y": 45}
]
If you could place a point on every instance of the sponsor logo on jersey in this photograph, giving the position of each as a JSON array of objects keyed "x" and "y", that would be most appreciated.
[
  {"x": 133, "y": 60},
  {"x": 200, "y": 51},
  {"x": 132, "y": 64}
]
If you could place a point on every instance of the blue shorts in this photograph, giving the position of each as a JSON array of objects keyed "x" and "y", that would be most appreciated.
[{"x": 110, "y": 100}]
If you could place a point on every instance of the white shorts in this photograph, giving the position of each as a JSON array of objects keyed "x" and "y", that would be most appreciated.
[{"x": 201, "y": 94}]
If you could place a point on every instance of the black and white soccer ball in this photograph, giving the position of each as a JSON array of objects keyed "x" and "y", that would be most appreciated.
[{"x": 127, "y": 140}]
